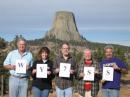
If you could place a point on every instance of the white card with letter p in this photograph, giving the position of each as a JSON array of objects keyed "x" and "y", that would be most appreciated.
[
  {"x": 89, "y": 73},
  {"x": 108, "y": 73},
  {"x": 21, "y": 66},
  {"x": 41, "y": 71},
  {"x": 64, "y": 70}
]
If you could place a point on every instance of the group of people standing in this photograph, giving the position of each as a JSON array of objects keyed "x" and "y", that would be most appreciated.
[{"x": 18, "y": 83}]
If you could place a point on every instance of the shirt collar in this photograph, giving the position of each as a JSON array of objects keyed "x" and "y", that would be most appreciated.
[
  {"x": 25, "y": 53},
  {"x": 44, "y": 61}
]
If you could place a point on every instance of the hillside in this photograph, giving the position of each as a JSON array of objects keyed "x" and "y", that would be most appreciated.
[
  {"x": 64, "y": 28},
  {"x": 77, "y": 48}
]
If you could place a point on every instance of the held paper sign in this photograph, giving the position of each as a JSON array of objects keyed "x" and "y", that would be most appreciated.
[
  {"x": 64, "y": 70},
  {"x": 41, "y": 71},
  {"x": 108, "y": 73},
  {"x": 20, "y": 66},
  {"x": 89, "y": 73}
]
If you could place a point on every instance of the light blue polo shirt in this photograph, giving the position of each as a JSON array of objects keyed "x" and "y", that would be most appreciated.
[{"x": 15, "y": 55}]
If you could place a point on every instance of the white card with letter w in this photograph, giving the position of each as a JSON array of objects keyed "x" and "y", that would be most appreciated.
[
  {"x": 108, "y": 73},
  {"x": 41, "y": 71},
  {"x": 20, "y": 66},
  {"x": 64, "y": 70},
  {"x": 89, "y": 73}
]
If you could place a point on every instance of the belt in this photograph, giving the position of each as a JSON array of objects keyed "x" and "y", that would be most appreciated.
[{"x": 20, "y": 77}]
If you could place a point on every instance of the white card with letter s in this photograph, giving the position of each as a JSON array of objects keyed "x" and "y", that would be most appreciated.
[
  {"x": 21, "y": 66},
  {"x": 89, "y": 73},
  {"x": 108, "y": 73},
  {"x": 64, "y": 70},
  {"x": 41, "y": 71}
]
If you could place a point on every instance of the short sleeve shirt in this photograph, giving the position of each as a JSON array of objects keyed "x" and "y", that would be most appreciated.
[{"x": 15, "y": 55}]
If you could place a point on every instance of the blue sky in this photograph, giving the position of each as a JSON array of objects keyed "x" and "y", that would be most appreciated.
[{"x": 106, "y": 21}]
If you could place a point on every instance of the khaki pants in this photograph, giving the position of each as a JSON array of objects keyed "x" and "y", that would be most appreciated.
[{"x": 87, "y": 94}]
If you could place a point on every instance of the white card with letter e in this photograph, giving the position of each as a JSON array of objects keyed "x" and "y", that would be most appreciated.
[
  {"x": 41, "y": 71},
  {"x": 64, "y": 70},
  {"x": 108, "y": 73},
  {"x": 89, "y": 73},
  {"x": 21, "y": 66}
]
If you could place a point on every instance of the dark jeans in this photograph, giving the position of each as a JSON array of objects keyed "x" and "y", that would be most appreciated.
[{"x": 40, "y": 93}]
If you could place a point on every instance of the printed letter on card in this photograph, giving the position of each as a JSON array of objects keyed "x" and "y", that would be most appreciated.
[
  {"x": 21, "y": 66},
  {"x": 64, "y": 70},
  {"x": 108, "y": 73},
  {"x": 41, "y": 71},
  {"x": 89, "y": 73}
]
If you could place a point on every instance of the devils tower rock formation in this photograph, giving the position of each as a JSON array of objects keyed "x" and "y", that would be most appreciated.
[{"x": 64, "y": 27}]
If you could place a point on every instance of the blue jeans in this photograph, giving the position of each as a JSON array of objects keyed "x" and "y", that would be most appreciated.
[
  {"x": 18, "y": 87},
  {"x": 110, "y": 93},
  {"x": 40, "y": 93},
  {"x": 64, "y": 93}
]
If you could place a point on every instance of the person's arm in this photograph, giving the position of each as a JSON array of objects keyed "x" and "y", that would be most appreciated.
[
  {"x": 123, "y": 70},
  {"x": 80, "y": 73},
  {"x": 97, "y": 70},
  {"x": 56, "y": 67},
  {"x": 50, "y": 69},
  {"x": 9, "y": 67},
  {"x": 101, "y": 72},
  {"x": 30, "y": 64},
  {"x": 7, "y": 62},
  {"x": 74, "y": 67},
  {"x": 33, "y": 70}
]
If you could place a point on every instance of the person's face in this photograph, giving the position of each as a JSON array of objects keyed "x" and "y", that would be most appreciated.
[
  {"x": 21, "y": 46},
  {"x": 44, "y": 55},
  {"x": 87, "y": 55},
  {"x": 109, "y": 53},
  {"x": 65, "y": 50}
]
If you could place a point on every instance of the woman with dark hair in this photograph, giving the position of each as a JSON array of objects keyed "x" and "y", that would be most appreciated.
[{"x": 41, "y": 86}]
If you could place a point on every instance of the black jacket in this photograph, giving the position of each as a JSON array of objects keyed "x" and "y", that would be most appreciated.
[{"x": 43, "y": 83}]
